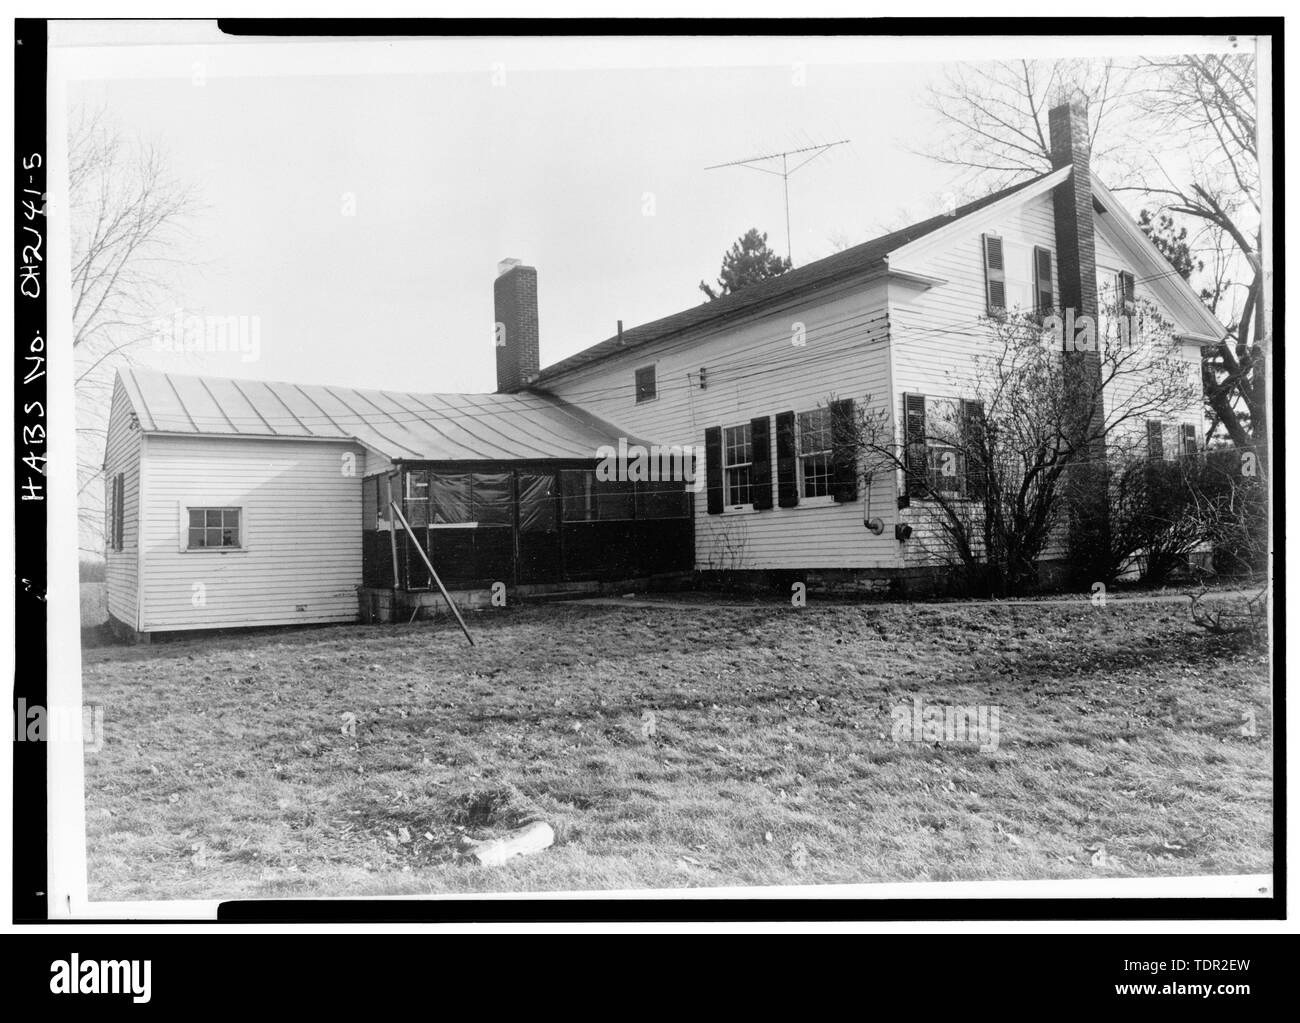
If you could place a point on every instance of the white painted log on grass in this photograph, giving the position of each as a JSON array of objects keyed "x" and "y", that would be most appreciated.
[{"x": 524, "y": 842}]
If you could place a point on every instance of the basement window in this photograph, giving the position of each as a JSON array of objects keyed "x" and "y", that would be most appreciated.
[
  {"x": 214, "y": 529},
  {"x": 645, "y": 384}
]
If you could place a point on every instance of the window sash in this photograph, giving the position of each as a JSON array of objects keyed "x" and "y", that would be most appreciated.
[
  {"x": 738, "y": 462},
  {"x": 815, "y": 449},
  {"x": 941, "y": 457},
  {"x": 213, "y": 529},
  {"x": 645, "y": 384}
]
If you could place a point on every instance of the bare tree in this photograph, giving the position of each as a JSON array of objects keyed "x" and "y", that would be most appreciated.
[
  {"x": 1201, "y": 109},
  {"x": 127, "y": 217},
  {"x": 994, "y": 115},
  {"x": 994, "y": 467},
  {"x": 1180, "y": 133}
]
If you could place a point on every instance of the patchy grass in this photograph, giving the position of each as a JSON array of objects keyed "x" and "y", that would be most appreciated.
[
  {"x": 94, "y": 604},
  {"x": 226, "y": 771}
]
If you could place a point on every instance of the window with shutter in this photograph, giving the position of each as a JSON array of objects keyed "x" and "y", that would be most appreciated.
[
  {"x": 1125, "y": 287},
  {"x": 1155, "y": 440},
  {"x": 1044, "y": 294},
  {"x": 914, "y": 454},
  {"x": 1189, "y": 440},
  {"x": 995, "y": 275}
]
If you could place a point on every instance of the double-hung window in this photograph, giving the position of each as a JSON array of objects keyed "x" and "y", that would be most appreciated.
[
  {"x": 816, "y": 471},
  {"x": 738, "y": 464}
]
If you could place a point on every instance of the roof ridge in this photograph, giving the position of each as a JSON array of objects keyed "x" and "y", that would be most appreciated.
[{"x": 863, "y": 257}]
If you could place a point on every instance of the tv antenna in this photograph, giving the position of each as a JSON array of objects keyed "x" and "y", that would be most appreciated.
[{"x": 784, "y": 173}]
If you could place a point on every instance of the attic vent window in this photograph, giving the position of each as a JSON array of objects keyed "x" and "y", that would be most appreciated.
[{"x": 645, "y": 384}]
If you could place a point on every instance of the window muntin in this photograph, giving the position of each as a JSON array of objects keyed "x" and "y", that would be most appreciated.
[
  {"x": 815, "y": 450},
  {"x": 214, "y": 529}
]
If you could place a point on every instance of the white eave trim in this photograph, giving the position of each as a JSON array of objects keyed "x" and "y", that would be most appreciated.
[
  {"x": 912, "y": 277},
  {"x": 1200, "y": 339},
  {"x": 310, "y": 438},
  {"x": 1200, "y": 321}
]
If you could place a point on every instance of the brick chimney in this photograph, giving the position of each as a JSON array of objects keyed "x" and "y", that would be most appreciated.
[
  {"x": 1076, "y": 247},
  {"x": 1076, "y": 259},
  {"x": 515, "y": 299}
]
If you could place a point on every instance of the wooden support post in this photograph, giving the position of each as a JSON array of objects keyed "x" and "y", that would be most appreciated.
[
  {"x": 429, "y": 565},
  {"x": 392, "y": 539}
]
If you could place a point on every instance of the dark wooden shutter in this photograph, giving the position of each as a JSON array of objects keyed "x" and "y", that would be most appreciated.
[
  {"x": 915, "y": 456},
  {"x": 110, "y": 515},
  {"x": 1045, "y": 295},
  {"x": 1189, "y": 439},
  {"x": 713, "y": 468},
  {"x": 1127, "y": 293},
  {"x": 760, "y": 433},
  {"x": 975, "y": 470},
  {"x": 995, "y": 276},
  {"x": 787, "y": 467},
  {"x": 1155, "y": 440},
  {"x": 844, "y": 451},
  {"x": 119, "y": 510}
]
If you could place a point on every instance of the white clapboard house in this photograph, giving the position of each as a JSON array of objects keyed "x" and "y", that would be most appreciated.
[{"x": 238, "y": 503}]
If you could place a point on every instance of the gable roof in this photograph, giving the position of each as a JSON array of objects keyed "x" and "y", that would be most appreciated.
[
  {"x": 1182, "y": 300},
  {"x": 868, "y": 257},
  {"x": 399, "y": 425}
]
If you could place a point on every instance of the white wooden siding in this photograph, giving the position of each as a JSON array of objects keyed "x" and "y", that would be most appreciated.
[
  {"x": 122, "y": 455},
  {"x": 1123, "y": 395},
  {"x": 937, "y": 332},
  {"x": 754, "y": 369},
  {"x": 302, "y": 524}
]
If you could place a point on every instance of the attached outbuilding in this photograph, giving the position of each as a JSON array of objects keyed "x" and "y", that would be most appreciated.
[{"x": 237, "y": 503}]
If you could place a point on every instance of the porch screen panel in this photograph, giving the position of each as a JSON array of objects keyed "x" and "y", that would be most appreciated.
[
  {"x": 537, "y": 503},
  {"x": 417, "y": 498},
  {"x": 539, "y": 528},
  {"x": 492, "y": 498},
  {"x": 449, "y": 498}
]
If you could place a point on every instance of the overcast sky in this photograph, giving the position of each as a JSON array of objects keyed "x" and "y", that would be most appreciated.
[{"x": 470, "y": 155}]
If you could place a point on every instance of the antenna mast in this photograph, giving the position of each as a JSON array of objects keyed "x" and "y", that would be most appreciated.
[{"x": 784, "y": 174}]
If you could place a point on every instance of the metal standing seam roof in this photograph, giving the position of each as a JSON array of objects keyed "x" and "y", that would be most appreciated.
[
  {"x": 436, "y": 427},
  {"x": 863, "y": 258}
]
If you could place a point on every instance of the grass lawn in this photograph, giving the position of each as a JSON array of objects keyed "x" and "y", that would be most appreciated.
[{"x": 226, "y": 772}]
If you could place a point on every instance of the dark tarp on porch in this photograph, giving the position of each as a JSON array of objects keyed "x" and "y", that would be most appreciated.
[{"x": 531, "y": 524}]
